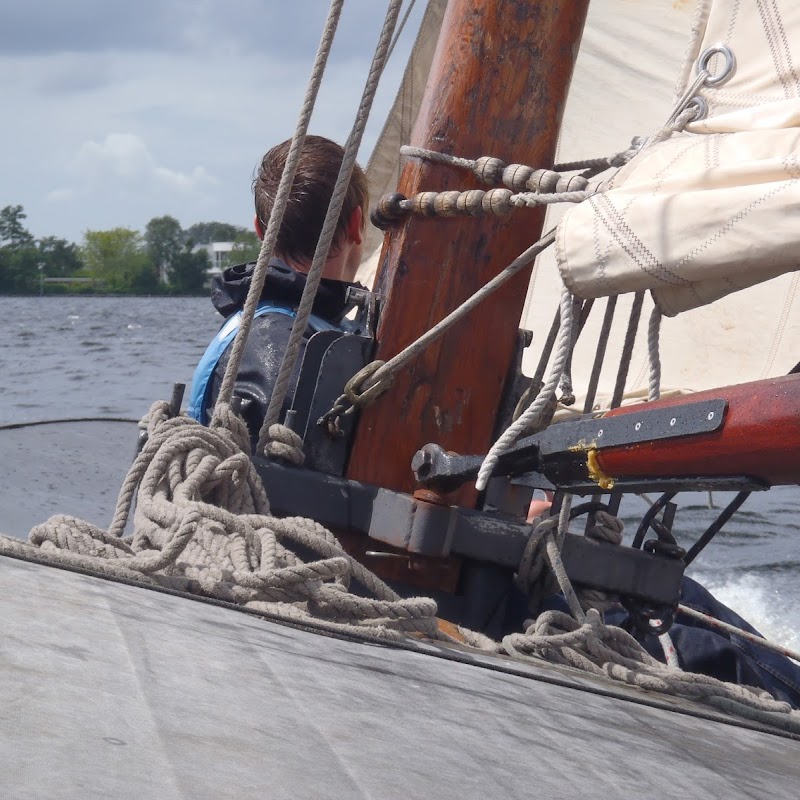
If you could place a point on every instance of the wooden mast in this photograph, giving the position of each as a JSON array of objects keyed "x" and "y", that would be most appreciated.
[{"x": 498, "y": 86}]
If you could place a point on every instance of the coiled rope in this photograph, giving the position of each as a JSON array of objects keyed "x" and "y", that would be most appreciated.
[
  {"x": 202, "y": 524},
  {"x": 585, "y": 642}
]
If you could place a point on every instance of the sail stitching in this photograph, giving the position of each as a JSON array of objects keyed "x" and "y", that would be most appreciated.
[
  {"x": 627, "y": 239},
  {"x": 769, "y": 31},
  {"x": 784, "y": 318}
]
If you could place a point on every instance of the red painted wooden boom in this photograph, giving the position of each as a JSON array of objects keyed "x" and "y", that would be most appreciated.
[{"x": 760, "y": 438}]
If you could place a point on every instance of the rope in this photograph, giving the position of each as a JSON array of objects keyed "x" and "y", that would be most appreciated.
[
  {"x": 732, "y": 629},
  {"x": 600, "y": 354},
  {"x": 202, "y": 524},
  {"x": 493, "y": 171},
  {"x": 585, "y": 642},
  {"x": 285, "y": 444},
  {"x": 605, "y": 528},
  {"x": 654, "y": 358},
  {"x": 529, "y": 417},
  {"x": 608, "y": 651},
  {"x": 286, "y": 371},
  {"x": 11, "y": 426},
  {"x": 401, "y": 26},
  {"x": 374, "y": 379},
  {"x": 627, "y": 349},
  {"x": 279, "y": 206}
]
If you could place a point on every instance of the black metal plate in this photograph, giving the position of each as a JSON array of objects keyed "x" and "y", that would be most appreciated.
[{"x": 647, "y": 425}]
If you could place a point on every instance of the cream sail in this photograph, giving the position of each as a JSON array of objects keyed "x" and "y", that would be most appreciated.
[{"x": 631, "y": 55}]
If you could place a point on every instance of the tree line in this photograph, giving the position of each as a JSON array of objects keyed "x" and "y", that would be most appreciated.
[{"x": 165, "y": 259}]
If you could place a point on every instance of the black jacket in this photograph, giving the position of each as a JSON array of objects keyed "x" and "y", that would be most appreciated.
[{"x": 269, "y": 334}]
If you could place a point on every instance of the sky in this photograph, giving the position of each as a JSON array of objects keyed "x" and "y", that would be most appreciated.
[{"x": 116, "y": 112}]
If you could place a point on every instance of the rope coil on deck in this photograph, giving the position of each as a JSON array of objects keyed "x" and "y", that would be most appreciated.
[{"x": 202, "y": 524}]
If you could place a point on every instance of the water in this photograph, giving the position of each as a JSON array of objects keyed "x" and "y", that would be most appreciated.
[{"x": 98, "y": 356}]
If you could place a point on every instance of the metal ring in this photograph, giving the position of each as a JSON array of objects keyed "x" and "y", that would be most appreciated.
[
  {"x": 705, "y": 60},
  {"x": 700, "y": 108}
]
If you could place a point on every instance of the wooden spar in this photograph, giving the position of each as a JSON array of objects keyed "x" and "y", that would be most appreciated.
[
  {"x": 760, "y": 438},
  {"x": 498, "y": 86}
]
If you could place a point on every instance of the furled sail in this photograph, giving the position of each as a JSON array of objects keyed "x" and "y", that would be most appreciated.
[
  {"x": 631, "y": 55},
  {"x": 712, "y": 210}
]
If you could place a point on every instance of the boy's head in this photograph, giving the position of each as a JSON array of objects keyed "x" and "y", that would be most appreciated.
[{"x": 317, "y": 170}]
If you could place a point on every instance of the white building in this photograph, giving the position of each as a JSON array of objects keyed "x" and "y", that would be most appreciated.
[{"x": 219, "y": 254}]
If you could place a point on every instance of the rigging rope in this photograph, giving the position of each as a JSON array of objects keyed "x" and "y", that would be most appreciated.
[
  {"x": 279, "y": 206},
  {"x": 531, "y": 415},
  {"x": 283, "y": 381},
  {"x": 374, "y": 379}
]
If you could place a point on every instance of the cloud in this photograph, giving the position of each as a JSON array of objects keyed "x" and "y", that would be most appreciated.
[
  {"x": 123, "y": 155},
  {"x": 289, "y": 29},
  {"x": 116, "y": 113},
  {"x": 183, "y": 181},
  {"x": 60, "y": 195},
  {"x": 126, "y": 156}
]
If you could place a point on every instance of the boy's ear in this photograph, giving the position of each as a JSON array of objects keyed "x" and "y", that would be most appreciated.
[
  {"x": 355, "y": 226},
  {"x": 259, "y": 228}
]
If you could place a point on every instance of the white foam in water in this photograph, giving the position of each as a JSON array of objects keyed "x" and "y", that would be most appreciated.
[{"x": 751, "y": 597}]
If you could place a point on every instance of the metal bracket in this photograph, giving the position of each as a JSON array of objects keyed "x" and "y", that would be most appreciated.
[
  {"x": 329, "y": 362},
  {"x": 565, "y": 441},
  {"x": 427, "y": 528},
  {"x": 635, "y": 427}
]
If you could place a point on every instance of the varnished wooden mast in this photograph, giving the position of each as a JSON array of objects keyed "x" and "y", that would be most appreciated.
[{"x": 498, "y": 87}]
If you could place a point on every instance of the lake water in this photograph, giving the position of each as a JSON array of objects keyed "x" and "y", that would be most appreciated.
[{"x": 112, "y": 357}]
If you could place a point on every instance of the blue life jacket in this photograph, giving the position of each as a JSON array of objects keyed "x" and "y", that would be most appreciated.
[{"x": 201, "y": 382}]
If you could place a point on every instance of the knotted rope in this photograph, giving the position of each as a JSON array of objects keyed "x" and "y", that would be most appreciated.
[
  {"x": 608, "y": 651},
  {"x": 585, "y": 642},
  {"x": 202, "y": 524},
  {"x": 285, "y": 444}
]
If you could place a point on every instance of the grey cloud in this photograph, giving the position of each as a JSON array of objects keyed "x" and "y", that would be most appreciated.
[{"x": 285, "y": 28}]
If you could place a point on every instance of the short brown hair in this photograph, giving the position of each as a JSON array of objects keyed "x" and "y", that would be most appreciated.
[{"x": 317, "y": 170}]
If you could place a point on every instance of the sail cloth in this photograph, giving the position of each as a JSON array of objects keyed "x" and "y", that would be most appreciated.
[
  {"x": 714, "y": 210},
  {"x": 624, "y": 86}
]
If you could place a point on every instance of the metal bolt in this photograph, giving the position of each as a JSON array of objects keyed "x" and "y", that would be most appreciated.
[
  {"x": 638, "y": 426},
  {"x": 710, "y": 415},
  {"x": 599, "y": 433},
  {"x": 672, "y": 421}
]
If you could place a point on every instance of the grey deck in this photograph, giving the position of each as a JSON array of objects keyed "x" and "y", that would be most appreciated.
[{"x": 113, "y": 691}]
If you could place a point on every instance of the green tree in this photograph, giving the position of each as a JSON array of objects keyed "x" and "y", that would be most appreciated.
[
  {"x": 189, "y": 271},
  {"x": 12, "y": 232},
  {"x": 246, "y": 247},
  {"x": 19, "y": 269},
  {"x": 119, "y": 259},
  {"x": 207, "y": 232},
  {"x": 19, "y": 260},
  {"x": 164, "y": 239},
  {"x": 60, "y": 258}
]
